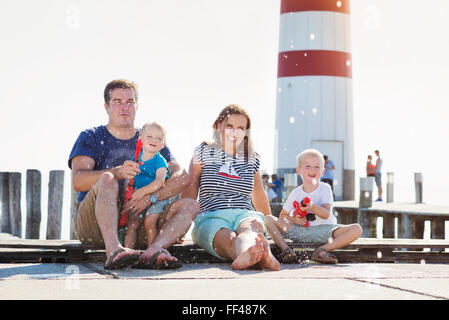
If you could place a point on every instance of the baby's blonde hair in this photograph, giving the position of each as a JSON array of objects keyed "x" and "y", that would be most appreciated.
[
  {"x": 307, "y": 153},
  {"x": 153, "y": 125}
]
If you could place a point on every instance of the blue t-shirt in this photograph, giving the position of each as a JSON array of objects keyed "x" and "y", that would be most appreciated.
[
  {"x": 328, "y": 174},
  {"x": 106, "y": 150},
  {"x": 148, "y": 170},
  {"x": 279, "y": 187}
]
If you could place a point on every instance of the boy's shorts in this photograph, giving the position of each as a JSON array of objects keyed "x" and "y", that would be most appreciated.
[
  {"x": 209, "y": 223},
  {"x": 321, "y": 233},
  {"x": 158, "y": 207}
]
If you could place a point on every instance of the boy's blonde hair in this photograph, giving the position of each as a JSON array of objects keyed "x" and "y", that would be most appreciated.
[
  {"x": 307, "y": 153},
  {"x": 153, "y": 125}
]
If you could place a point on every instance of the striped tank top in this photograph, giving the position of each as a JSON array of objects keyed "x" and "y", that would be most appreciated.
[{"x": 227, "y": 181}]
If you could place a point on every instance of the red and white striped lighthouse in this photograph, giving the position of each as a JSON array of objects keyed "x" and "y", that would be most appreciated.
[{"x": 314, "y": 99}]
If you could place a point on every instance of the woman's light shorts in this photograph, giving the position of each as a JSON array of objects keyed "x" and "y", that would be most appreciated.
[
  {"x": 209, "y": 223},
  {"x": 321, "y": 233}
]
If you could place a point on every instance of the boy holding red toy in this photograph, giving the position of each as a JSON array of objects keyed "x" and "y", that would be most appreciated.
[{"x": 319, "y": 224}]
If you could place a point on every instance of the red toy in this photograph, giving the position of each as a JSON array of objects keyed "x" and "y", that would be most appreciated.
[
  {"x": 129, "y": 191},
  {"x": 298, "y": 209}
]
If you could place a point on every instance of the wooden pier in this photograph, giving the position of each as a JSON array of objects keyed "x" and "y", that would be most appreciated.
[{"x": 402, "y": 228}]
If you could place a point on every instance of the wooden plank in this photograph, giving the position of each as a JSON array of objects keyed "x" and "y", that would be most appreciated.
[
  {"x": 15, "y": 211},
  {"x": 42, "y": 244},
  {"x": 33, "y": 200},
  {"x": 55, "y": 197}
]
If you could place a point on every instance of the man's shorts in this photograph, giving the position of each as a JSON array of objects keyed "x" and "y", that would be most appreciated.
[
  {"x": 209, "y": 223},
  {"x": 88, "y": 231},
  {"x": 377, "y": 178},
  {"x": 321, "y": 233}
]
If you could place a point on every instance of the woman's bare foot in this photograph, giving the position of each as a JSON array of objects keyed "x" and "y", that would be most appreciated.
[
  {"x": 268, "y": 261},
  {"x": 249, "y": 257}
]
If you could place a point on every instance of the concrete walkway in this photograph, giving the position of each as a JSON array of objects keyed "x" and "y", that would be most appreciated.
[{"x": 219, "y": 282}]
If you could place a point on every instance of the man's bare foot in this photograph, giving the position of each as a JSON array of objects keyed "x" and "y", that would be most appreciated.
[
  {"x": 268, "y": 261},
  {"x": 249, "y": 257},
  {"x": 147, "y": 254}
]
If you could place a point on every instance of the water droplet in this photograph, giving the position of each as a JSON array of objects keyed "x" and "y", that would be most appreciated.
[
  {"x": 305, "y": 54},
  {"x": 314, "y": 110},
  {"x": 348, "y": 63},
  {"x": 366, "y": 194},
  {"x": 335, "y": 182},
  {"x": 339, "y": 4},
  {"x": 314, "y": 181},
  {"x": 279, "y": 90},
  {"x": 330, "y": 240},
  {"x": 312, "y": 36},
  {"x": 292, "y": 120},
  {"x": 379, "y": 254},
  {"x": 423, "y": 261},
  {"x": 302, "y": 112}
]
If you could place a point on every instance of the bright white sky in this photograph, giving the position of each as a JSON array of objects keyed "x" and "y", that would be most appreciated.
[{"x": 192, "y": 58}]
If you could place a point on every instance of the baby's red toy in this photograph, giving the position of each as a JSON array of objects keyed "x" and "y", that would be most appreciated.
[
  {"x": 129, "y": 191},
  {"x": 298, "y": 209}
]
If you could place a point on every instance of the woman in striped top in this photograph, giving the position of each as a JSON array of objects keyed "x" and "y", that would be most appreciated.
[{"x": 225, "y": 176}]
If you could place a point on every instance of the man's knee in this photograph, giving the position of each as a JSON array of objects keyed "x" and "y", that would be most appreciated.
[
  {"x": 107, "y": 181},
  {"x": 187, "y": 207}
]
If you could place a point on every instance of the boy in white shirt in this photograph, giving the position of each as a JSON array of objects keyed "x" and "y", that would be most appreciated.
[{"x": 323, "y": 225}]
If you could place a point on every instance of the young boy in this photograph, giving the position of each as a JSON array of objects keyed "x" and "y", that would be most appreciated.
[
  {"x": 323, "y": 225},
  {"x": 151, "y": 178}
]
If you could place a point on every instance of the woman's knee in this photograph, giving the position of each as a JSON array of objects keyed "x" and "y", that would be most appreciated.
[{"x": 252, "y": 224}]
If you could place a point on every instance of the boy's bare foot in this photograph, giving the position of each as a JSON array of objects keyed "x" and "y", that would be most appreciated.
[{"x": 249, "y": 257}]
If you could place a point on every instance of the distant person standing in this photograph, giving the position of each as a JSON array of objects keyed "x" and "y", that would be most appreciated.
[
  {"x": 370, "y": 167},
  {"x": 328, "y": 175},
  {"x": 378, "y": 175},
  {"x": 277, "y": 186},
  {"x": 266, "y": 185}
]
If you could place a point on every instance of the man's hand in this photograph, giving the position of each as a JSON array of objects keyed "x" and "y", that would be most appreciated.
[
  {"x": 137, "y": 206},
  {"x": 128, "y": 170},
  {"x": 139, "y": 194}
]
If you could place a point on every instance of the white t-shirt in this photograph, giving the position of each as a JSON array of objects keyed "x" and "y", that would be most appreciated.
[{"x": 320, "y": 196}]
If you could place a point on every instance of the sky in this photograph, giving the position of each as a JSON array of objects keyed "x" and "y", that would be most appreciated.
[{"x": 192, "y": 58}]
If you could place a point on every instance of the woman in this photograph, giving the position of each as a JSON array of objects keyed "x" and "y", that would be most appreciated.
[
  {"x": 225, "y": 175},
  {"x": 370, "y": 167}
]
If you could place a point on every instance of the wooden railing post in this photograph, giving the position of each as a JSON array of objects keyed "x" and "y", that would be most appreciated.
[
  {"x": 15, "y": 212},
  {"x": 55, "y": 196},
  {"x": 33, "y": 200},
  {"x": 73, "y": 208},
  {"x": 4, "y": 190}
]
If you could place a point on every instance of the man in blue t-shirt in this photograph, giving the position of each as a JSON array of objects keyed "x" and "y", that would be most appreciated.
[
  {"x": 277, "y": 186},
  {"x": 328, "y": 175},
  {"x": 100, "y": 165}
]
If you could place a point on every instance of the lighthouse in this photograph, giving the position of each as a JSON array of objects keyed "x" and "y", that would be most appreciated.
[{"x": 314, "y": 107}]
